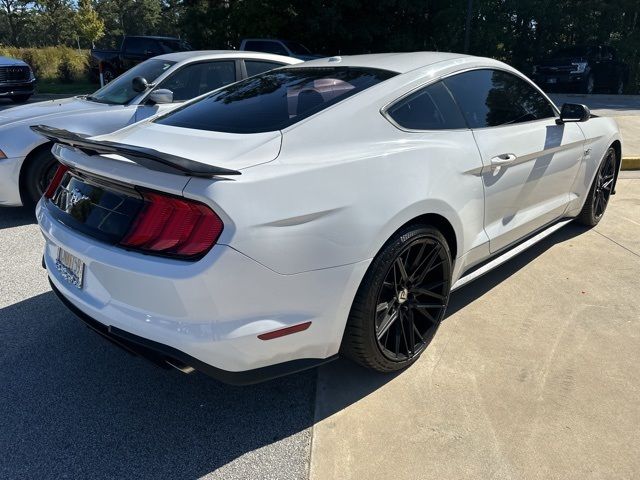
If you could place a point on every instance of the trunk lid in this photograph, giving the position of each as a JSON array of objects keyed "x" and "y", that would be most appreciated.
[{"x": 228, "y": 150}]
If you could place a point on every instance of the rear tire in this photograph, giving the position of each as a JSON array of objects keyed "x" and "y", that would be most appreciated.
[
  {"x": 401, "y": 300},
  {"x": 20, "y": 98},
  {"x": 37, "y": 175},
  {"x": 600, "y": 191}
]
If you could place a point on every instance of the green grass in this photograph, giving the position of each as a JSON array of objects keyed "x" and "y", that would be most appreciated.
[{"x": 76, "y": 88}]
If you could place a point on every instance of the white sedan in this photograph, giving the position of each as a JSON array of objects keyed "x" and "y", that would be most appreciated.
[
  {"x": 26, "y": 162},
  {"x": 317, "y": 209}
]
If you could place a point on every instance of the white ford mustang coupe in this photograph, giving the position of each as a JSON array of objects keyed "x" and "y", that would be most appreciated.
[{"x": 316, "y": 209}]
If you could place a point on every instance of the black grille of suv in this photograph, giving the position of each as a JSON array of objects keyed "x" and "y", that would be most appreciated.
[{"x": 14, "y": 74}]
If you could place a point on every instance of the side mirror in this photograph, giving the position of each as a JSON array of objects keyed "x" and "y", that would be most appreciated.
[
  {"x": 574, "y": 112},
  {"x": 139, "y": 84},
  {"x": 161, "y": 95}
]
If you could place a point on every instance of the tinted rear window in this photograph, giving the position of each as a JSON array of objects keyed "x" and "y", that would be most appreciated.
[{"x": 273, "y": 100}]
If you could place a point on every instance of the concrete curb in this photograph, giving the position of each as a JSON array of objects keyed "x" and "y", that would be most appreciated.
[{"x": 631, "y": 163}]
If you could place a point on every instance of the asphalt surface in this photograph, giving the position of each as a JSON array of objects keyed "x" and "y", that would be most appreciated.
[{"x": 72, "y": 405}]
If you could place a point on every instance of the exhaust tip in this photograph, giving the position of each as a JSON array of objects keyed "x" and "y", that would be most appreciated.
[{"x": 178, "y": 365}]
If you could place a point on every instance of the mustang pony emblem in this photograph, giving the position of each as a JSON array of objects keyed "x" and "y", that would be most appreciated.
[{"x": 74, "y": 198}]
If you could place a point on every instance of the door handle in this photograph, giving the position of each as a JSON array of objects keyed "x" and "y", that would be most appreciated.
[{"x": 504, "y": 159}]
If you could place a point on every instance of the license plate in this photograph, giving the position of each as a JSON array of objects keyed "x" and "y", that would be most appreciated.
[
  {"x": 70, "y": 267},
  {"x": 552, "y": 80}
]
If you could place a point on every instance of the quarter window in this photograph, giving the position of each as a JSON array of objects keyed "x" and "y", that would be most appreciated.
[
  {"x": 490, "y": 98},
  {"x": 430, "y": 108}
]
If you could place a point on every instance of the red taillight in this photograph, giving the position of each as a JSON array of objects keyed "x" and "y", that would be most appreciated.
[
  {"x": 55, "y": 181},
  {"x": 173, "y": 226}
]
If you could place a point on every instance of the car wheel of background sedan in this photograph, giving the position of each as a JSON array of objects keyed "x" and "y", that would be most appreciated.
[
  {"x": 600, "y": 191},
  {"x": 589, "y": 84},
  {"x": 401, "y": 301},
  {"x": 37, "y": 175},
  {"x": 20, "y": 98}
]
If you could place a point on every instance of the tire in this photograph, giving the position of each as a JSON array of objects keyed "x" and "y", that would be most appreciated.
[
  {"x": 36, "y": 176},
  {"x": 600, "y": 191},
  {"x": 108, "y": 75},
  {"x": 619, "y": 90},
  {"x": 378, "y": 334},
  {"x": 589, "y": 84},
  {"x": 20, "y": 98}
]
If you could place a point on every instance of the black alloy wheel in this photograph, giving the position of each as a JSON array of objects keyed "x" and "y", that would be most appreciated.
[
  {"x": 412, "y": 299},
  {"x": 401, "y": 301},
  {"x": 601, "y": 190},
  {"x": 604, "y": 184}
]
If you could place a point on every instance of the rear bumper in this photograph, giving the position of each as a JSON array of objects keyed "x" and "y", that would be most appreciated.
[
  {"x": 10, "y": 181},
  {"x": 547, "y": 80},
  {"x": 166, "y": 357},
  {"x": 15, "y": 89},
  {"x": 206, "y": 314}
]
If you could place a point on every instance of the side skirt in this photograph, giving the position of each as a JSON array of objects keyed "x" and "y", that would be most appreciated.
[{"x": 508, "y": 254}]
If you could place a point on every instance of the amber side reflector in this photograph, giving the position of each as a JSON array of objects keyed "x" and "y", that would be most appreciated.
[{"x": 284, "y": 331}]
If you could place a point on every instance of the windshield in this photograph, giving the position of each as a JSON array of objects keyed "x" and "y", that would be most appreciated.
[
  {"x": 297, "y": 48},
  {"x": 273, "y": 100},
  {"x": 120, "y": 91}
]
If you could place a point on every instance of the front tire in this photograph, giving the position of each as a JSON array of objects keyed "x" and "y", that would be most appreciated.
[
  {"x": 600, "y": 191},
  {"x": 401, "y": 300},
  {"x": 37, "y": 175},
  {"x": 589, "y": 84}
]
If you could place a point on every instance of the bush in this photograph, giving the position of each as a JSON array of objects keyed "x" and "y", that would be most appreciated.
[{"x": 57, "y": 64}]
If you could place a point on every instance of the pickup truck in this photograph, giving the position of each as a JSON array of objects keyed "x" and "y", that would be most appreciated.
[
  {"x": 586, "y": 69},
  {"x": 17, "y": 81},
  {"x": 134, "y": 50},
  {"x": 278, "y": 47}
]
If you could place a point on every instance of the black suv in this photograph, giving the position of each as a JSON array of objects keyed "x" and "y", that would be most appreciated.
[{"x": 586, "y": 69}]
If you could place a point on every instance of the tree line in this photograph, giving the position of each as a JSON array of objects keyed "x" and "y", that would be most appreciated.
[{"x": 516, "y": 31}]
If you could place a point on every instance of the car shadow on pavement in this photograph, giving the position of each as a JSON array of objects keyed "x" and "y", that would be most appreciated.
[
  {"x": 16, "y": 217},
  {"x": 73, "y": 405}
]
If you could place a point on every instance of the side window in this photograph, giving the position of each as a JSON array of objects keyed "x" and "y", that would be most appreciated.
[
  {"x": 266, "y": 46},
  {"x": 198, "y": 78},
  {"x": 430, "y": 108},
  {"x": 490, "y": 98},
  {"x": 254, "y": 67},
  {"x": 142, "y": 46}
]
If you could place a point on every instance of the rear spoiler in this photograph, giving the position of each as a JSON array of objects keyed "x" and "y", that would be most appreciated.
[{"x": 147, "y": 157}]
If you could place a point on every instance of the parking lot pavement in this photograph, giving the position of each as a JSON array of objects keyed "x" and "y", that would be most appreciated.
[
  {"x": 74, "y": 406},
  {"x": 534, "y": 374}
]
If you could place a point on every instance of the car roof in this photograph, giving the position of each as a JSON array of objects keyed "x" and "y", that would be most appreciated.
[
  {"x": 213, "y": 54},
  {"x": 154, "y": 37},
  {"x": 396, "y": 62}
]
